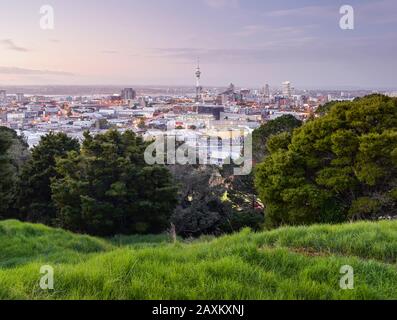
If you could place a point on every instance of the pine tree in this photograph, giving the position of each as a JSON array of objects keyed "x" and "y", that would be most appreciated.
[
  {"x": 7, "y": 176},
  {"x": 108, "y": 189},
  {"x": 34, "y": 195}
]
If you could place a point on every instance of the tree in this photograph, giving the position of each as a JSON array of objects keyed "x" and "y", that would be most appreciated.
[
  {"x": 18, "y": 152},
  {"x": 13, "y": 154},
  {"x": 325, "y": 108},
  {"x": 240, "y": 189},
  {"x": 34, "y": 196},
  {"x": 338, "y": 167},
  {"x": 7, "y": 176},
  {"x": 204, "y": 205},
  {"x": 261, "y": 135},
  {"x": 108, "y": 189},
  {"x": 142, "y": 124},
  {"x": 200, "y": 209}
]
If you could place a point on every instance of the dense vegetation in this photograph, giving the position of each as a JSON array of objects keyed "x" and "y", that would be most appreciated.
[
  {"x": 107, "y": 188},
  {"x": 35, "y": 196},
  {"x": 275, "y": 127},
  {"x": 102, "y": 187},
  {"x": 208, "y": 204},
  {"x": 13, "y": 154},
  {"x": 7, "y": 186},
  {"x": 289, "y": 263},
  {"x": 341, "y": 166}
]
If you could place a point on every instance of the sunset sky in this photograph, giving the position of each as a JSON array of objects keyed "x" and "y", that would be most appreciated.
[{"x": 248, "y": 42}]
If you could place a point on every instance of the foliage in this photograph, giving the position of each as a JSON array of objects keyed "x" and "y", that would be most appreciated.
[
  {"x": 325, "y": 108},
  {"x": 34, "y": 194},
  {"x": 208, "y": 206},
  {"x": 108, "y": 189},
  {"x": 200, "y": 208},
  {"x": 7, "y": 178},
  {"x": 13, "y": 154},
  {"x": 19, "y": 149},
  {"x": 290, "y": 263},
  {"x": 239, "y": 220},
  {"x": 240, "y": 189},
  {"x": 342, "y": 165},
  {"x": 261, "y": 135}
]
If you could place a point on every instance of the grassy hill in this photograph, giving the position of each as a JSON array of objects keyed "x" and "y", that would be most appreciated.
[{"x": 289, "y": 263}]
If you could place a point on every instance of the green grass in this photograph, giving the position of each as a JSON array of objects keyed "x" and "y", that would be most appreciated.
[{"x": 289, "y": 263}]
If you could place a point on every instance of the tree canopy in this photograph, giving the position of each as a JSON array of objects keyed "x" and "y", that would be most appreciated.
[
  {"x": 34, "y": 194},
  {"x": 107, "y": 188},
  {"x": 13, "y": 155},
  {"x": 260, "y": 136},
  {"x": 337, "y": 167},
  {"x": 7, "y": 184}
]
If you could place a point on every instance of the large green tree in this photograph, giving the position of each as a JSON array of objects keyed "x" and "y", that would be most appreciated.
[
  {"x": 13, "y": 155},
  {"x": 18, "y": 151},
  {"x": 338, "y": 167},
  {"x": 108, "y": 188},
  {"x": 34, "y": 194},
  {"x": 7, "y": 177}
]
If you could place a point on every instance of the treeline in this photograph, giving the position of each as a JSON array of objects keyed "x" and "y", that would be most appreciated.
[
  {"x": 340, "y": 165},
  {"x": 101, "y": 187},
  {"x": 104, "y": 187}
]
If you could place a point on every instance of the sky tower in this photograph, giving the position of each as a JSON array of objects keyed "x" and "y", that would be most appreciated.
[{"x": 198, "y": 86}]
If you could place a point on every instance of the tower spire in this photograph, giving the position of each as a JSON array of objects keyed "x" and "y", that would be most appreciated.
[{"x": 198, "y": 78}]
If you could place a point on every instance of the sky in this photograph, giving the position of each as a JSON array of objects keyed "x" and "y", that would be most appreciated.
[{"x": 158, "y": 42}]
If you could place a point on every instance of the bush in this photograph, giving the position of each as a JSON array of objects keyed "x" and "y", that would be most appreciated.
[
  {"x": 244, "y": 219},
  {"x": 364, "y": 208}
]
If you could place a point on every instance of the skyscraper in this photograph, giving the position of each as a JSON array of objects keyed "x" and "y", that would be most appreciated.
[
  {"x": 20, "y": 97},
  {"x": 128, "y": 94},
  {"x": 267, "y": 91},
  {"x": 287, "y": 91}
]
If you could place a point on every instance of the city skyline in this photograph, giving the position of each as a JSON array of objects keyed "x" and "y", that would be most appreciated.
[{"x": 247, "y": 42}]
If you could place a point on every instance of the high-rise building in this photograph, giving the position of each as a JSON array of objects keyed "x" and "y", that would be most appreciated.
[
  {"x": 3, "y": 95},
  {"x": 128, "y": 94},
  {"x": 287, "y": 90},
  {"x": 267, "y": 91},
  {"x": 20, "y": 97},
  {"x": 198, "y": 85}
]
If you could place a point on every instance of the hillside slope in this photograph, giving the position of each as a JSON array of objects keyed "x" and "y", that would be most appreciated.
[{"x": 289, "y": 263}]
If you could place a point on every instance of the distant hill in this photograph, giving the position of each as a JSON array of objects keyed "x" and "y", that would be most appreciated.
[{"x": 288, "y": 263}]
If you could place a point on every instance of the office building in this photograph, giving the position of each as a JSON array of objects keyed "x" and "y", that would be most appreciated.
[
  {"x": 287, "y": 90},
  {"x": 128, "y": 94},
  {"x": 20, "y": 97}
]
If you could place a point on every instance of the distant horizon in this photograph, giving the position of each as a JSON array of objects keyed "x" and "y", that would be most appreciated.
[{"x": 164, "y": 86}]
